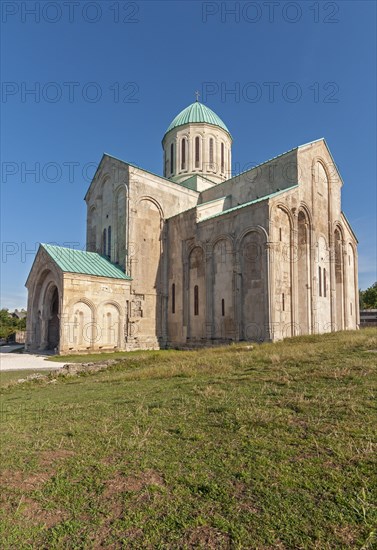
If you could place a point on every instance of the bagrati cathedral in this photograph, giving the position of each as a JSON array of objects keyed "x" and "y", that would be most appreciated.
[{"x": 198, "y": 256}]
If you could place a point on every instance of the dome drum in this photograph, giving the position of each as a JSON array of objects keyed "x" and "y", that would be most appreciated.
[{"x": 197, "y": 142}]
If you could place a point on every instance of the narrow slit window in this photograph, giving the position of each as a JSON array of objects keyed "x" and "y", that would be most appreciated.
[
  {"x": 351, "y": 307},
  {"x": 211, "y": 152},
  {"x": 104, "y": 242},
  {"x": 222, "y": 158},
  {"x": 172, "y": 158},
  {"x": 109, "y": 241},
  {"x": 197, "y": 152},
  {"x": 324, "y": 282},
  {"x": 280, "y": 235},
  {"x": 183, "y": 154},
  {"x": 173, "y": 298},
  {"x": 320, "y": 281},
  {"x": 223, "y": 307},
  {"x": 196, "y": 300},
  {"x": 283, "y": 301}
]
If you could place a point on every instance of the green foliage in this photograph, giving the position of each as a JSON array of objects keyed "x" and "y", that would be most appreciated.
[
  {"x": 368, "y": 297},
  {"x": 230, "y": 447},
  {"x": 9, "y": 325}
]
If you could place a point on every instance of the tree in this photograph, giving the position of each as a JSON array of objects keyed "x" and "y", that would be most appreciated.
[
  {"x": 368, "y": 297},
  {"x": 9, "y": 325}
]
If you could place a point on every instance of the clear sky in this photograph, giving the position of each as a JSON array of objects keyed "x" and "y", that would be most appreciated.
[{"x": 84, "y": 78}]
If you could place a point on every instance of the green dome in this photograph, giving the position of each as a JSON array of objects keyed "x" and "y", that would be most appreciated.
[{"x": 197, "y": 112}]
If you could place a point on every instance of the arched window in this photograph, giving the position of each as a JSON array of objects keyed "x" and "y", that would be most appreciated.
[
  {"x": 173, "y": 298},
  {"x": 196, "y": 300},
  {"x": 211, "y": 152},
  {"x": 183, "y": 154},
  {"x": 172, "y": 158},
  {"x": 197, "y": 152},
  {"x": 222, "y": 158},
  {"x": 109, "y": 241},
  {"x": 223, "y": 307},
  {"x": 104, "y": 242},
  {"x": 165, "y": 164}
]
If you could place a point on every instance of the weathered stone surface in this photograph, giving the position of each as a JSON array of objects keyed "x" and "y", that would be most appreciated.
[{"x": 261, "y": 256}]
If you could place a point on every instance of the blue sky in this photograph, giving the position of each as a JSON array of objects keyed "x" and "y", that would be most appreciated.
[{"x": 84, "y": 78}]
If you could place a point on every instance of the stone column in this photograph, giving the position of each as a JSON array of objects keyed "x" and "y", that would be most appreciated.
[
  {"x": 269, "y": 291},
  {"x": 356, "y": 279},
  {"x": 164, "y": 286},
  {"x": 332, "y": 256},
  {"x": 345, "y": 287},
  {"x": 217, "y": 156},
  {"x": 44, "y": 331},
  {"x": 308, "y": 278},
  {"x": 209, "y": 292},
  {"x": 185, "y": 293},
  {"x": 237, "y": 303},
  {"x": 294, "y": 273}
]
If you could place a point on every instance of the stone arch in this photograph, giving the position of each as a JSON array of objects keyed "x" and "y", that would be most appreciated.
[
  {"x": 41, "y": 311},
  {"x": 147, "y": 249},
  {"x": 83, "y": 330},
  {"x": 253, "y": 260},
  {"x": 51, "y": 302},
  {"x": 183, "y": 152},
  {"x": 110, "y": 321},
  {"x": 251, "y": 228},
  {"x": 104, "y": 179},
  {"x": 303, "y": 272},
  {"x": 152, "y": 200},
  {"x": 197, "y": 293},
  {"x": 321, "y": 187},
  {"x": 73, "y": 301},
  {"x": 308, "y": 213},
  {"x": 212, "y": 157},
  {"x": 223, "y": 288},
  {"x": 223, "y": 237}
]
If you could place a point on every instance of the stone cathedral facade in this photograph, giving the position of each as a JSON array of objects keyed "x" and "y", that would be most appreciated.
[{"x": 198, "y": 256}]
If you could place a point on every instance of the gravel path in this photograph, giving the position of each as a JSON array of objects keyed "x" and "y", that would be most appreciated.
[{"x": 22, "y": 361}]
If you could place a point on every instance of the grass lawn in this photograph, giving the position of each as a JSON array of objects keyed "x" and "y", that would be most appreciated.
[
  {"x": 91, "y": 357},
  {"x": 13, "y": 375},
  {"x": 269, "y": 448}
]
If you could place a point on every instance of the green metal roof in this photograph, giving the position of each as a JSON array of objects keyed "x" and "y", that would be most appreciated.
[
  {"x": 194, "y": 113},
  {"x": 81, "y": 261},
  {"x": 259, "y": 199}
]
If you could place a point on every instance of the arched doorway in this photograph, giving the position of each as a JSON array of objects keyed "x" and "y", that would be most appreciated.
[{"x": 53, "y": 327}]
